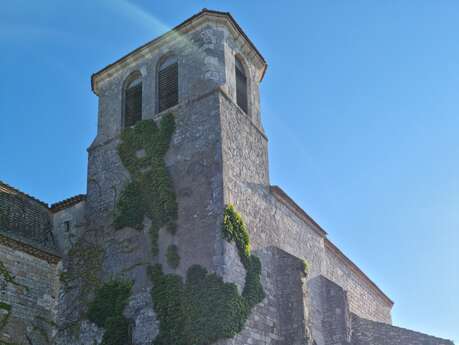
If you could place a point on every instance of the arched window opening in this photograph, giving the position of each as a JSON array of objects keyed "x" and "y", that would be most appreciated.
[
  {"x": 133, "y": 102},
  {"x": 168, "y": 83},
  {"x": 241, "y": 85}
]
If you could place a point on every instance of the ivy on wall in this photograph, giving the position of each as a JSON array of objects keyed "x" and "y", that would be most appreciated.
[
  {"x": 234, "y": 230},
  {"x": 5, "y": 308},
  {"x": 201, "y": 308},
  {"x": 150, "y": 192},
  {"x": 86, "y": 261},
  {"x": 172, "y": 256},
  {"x": 8, "y": 278},
  {"x": 6, "y": 311},
  {"x": 106, "y": 310},
  {"x": 44, "y": 328},
  {"x": 199, "y": 311}
]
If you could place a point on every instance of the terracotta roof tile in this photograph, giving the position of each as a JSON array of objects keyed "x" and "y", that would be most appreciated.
[
  {"x": 58, "y": 206},
  {"x": 4, "y": 187}
]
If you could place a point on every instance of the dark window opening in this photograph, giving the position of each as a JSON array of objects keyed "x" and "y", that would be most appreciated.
[
  {"x": 67, "y": 226},
  {"x": 133, "y": 103},
  {"x": 241, "y": 86},
  {"x": 168, "y": 84}
]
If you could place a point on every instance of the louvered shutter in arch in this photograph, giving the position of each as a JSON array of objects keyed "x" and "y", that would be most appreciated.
[
  {"x": 241, "y": 86},
  {"x": 133, "y": 103},
  {"x": 168, "y": 84}
]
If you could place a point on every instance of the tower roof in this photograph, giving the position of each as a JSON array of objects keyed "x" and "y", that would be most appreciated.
[{"x": 184, "y": 27}]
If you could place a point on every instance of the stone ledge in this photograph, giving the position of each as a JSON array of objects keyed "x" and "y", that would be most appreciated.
[
  {"x": 280, "y": 195},
  {"x": 48, "y": 255},
  {"x": 335, "y": 250}
]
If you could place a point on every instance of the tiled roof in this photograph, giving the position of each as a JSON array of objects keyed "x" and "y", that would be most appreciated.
[
  {"x": 6, "y": 188},
  {"x": 60, "y": 205},
  {"x": 67, "y": 202}
]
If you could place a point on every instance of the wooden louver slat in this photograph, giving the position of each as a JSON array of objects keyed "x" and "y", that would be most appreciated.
[
  {"x": 168, "y": 86},
  {"x": 133, "y": 105},
  {"x": 241, "y": 90}
]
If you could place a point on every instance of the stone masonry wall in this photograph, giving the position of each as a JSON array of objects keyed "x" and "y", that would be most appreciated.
[
  {"x": 376, "y": 333},
  {"x": 32, "y": 298},
  {"x": 194, "y": 162},
  {"x": 68, "y": 224},
  {"x": 336, "y": 323},
  {"x": 194, "y": 159},
  {"x": 292, "y": 297},
  {"x": 363, "y": 300},
  {"x": 272, "y": 223},
  {"x": 283, "y": 316},
  {"x": 246, "y": 185},
  {"x": 218, "y": 155}
]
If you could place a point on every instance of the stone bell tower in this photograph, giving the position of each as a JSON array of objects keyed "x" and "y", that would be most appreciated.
[
  {"x": 181, "y": 239},
  {"x": 215, "y": 61},
  {"x": 205, "y": 75}
]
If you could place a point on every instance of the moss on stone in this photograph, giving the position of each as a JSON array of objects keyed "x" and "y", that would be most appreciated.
[{"x": 305, "y": 267}]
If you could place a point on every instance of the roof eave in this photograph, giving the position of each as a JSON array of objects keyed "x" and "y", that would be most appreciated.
[{"x": 181, "y": 27}]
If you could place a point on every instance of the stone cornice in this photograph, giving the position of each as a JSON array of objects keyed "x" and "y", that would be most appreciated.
[
  {"x": 346, "y": 261},
  {"x": 222, "y": 18},
  {"x": 293, "y": 206},
  {"x": 95, "y": 145},
  {"x": 280, "y": 195}
]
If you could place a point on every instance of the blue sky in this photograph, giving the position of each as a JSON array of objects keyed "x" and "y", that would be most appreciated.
[{"x": 360, "y": 103}]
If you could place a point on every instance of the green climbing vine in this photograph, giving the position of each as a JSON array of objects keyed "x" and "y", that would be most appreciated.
[
  {"x": 85, "y": 258},
  {"x": 7, "y": 277},
  {"x": 305, "y": 267},
  {"x": 201, "y": 308},
  {"x": 106, "y": 310},
  {"x": 172, "y": 256},
  {"x": 199, "y": 311},
  {"x": 80, "y": 279},
  {"x": 44, "y": 328},
  {"x": 6, "y": 310},
  {"x": 150, "y": 192},
  {"x": 234, "y": 230}
]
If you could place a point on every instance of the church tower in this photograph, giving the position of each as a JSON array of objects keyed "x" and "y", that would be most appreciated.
[
  {"x": 180, "y": 238},
  {"x": 206, "y": 73},
  {"x": 179, "y": 135}
]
